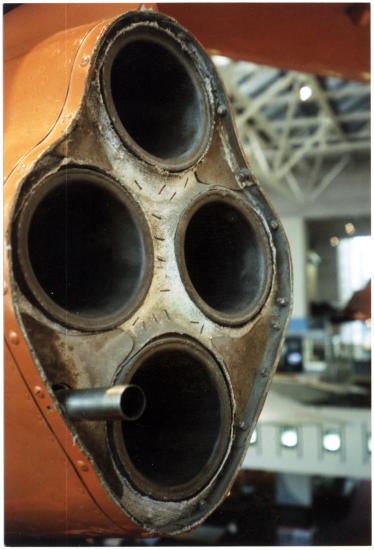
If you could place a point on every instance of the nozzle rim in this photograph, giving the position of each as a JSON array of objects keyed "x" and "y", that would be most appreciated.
[
  {"x": 24, "y": 268},
  {"x": 231, "y": 199},
  {"x": 168, "y": 41}
]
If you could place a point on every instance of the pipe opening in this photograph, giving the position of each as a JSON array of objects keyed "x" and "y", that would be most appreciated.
[
  {"x": 133, "y": 402},
  {"x": 84, "y": 248},
  {"x": 225, "y": 259},
  {"x": 179, "y": 441},
  {"x": 159, "y": 99}
]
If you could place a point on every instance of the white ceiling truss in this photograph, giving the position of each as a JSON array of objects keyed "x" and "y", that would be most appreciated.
[{"x": 298, "y": 147}]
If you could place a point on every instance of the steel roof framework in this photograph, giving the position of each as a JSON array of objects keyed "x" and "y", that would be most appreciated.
[{"x": 297, "y": 146}]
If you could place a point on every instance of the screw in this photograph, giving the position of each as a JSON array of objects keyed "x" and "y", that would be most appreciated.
[
  {"x": 85, "y": 60},
  {"x": 274, "y": 224},
  {"x": 282, "y": 301},
  {"x": 14, "y": 338},
  {"x": 39, "y": 392},
  {"x": 82, "y": 466},
  {"x": 244, "y": 174},
  {"x": 221, "y": 110}
]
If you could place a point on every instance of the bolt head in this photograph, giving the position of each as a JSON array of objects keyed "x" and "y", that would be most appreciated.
[
  {"x": 221, "y": 110},
  {"x": 244, "y": 174},
  {"x": 82, "y": 466},
  {"x": 39, "y": 392},
  {"x": 274, "y": 224},
  {"x": 13, "y": 338},
  {"x": 85, "y": 60}
]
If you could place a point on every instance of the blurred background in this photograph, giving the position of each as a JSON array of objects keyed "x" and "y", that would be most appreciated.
[{"x": 297, "y": 76}]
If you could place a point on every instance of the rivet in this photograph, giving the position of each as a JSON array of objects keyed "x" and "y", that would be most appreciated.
[
  {"x": 14, "y": 338},
  {"x": 244, "y": 174},
  {"x": 5, "y": 287},
  {"x": 275, "y": 325},
  {"x": 221, "y": 110},
  {"x": 85, "y": 60},
  {"x": 82, "y": 466},
  {"x": 282, "y": 301},
  {"x": 274, "y": 224},
  {"x": 39, "y": 392},
  {"x": 242, "y": 426}
]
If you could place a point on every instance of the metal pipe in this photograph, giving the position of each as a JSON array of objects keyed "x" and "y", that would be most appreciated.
[{"x": 122, "y": 402}]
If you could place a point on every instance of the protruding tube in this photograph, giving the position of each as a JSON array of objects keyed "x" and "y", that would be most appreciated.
[{"x": 122, "y": 402}]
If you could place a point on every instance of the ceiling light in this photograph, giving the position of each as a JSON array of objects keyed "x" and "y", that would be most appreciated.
[
  {"x": 289, "y": 437},
  {"x": 305, "y": 93},
  {"x": 221, "y": 60},
  {"x": 350, "y": 228},
  {"x": 294, "y": 358},
  {"x": 334, "y": 241},
  {"x": 332, "y": 442}
]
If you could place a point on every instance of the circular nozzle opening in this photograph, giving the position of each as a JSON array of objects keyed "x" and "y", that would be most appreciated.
[
  {"x": 83, "y": 249},
  {"x": 133, "y": 402},
  {"x": 225, "y": 259},
  {"x": 157, "y": 99},
  {"x": 180, "y": 440}
]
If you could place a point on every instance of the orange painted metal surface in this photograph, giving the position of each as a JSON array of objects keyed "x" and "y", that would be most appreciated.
[
  {"x": 28, "y": 117},
  {"x": 50, "y": 481},
  {"x": 51, "y": 497},
  {"x": 41, "y": 43},
  {"x": 323, "y": 38}
]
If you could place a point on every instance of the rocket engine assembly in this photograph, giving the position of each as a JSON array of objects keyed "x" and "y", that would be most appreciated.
[{"x": 147, "y": 283}]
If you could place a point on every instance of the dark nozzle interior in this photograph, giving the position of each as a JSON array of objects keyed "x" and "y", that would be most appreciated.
[
  {"x": 85, "y": 248},
  {"x": 159, "y": 98},
  {"x": 177, "y": 434},
  {"x": 224, "y": 258},
  {"x": 133, "y": 402}
]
